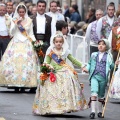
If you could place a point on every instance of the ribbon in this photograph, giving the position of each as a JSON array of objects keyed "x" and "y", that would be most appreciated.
[
  {"x": 22, "y": 30},
  {"x": 61, "y": 62}
]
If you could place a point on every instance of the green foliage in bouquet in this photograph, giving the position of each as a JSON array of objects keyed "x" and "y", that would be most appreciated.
[
  {"x": 37, "y": 45},
  {"x": 45, "y": 68}
]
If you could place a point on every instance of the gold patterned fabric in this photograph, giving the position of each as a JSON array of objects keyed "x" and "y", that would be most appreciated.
[
  {"x": 63, "y": 95},
  {"x": 19, "y": 66}
]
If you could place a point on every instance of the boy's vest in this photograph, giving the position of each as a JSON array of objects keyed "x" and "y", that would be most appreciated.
[{"x": 101, "y": 66}]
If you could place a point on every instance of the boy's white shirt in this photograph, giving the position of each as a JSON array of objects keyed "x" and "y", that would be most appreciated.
[{"x": 101, "y": 55}]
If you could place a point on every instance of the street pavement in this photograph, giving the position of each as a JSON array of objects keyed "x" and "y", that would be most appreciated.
[{"x": 18, "y": 106}]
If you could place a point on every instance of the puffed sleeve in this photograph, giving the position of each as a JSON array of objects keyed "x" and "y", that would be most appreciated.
[
  {"x": 13, "y": 28},
  {"x": 31, "y": 34}
]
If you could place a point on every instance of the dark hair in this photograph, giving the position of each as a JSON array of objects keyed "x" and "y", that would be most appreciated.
[
  {"x": 41, "y": 1},
  {"x": 75, "y": 7},
  {"x": 111, "y": 4},
  {"x": 61, "y": 24},
  {"x": 21, "y": 6},
  {"x": 93, "y": 10},
  {"x": 53, "y": 2},
  {"x": 101, "y": 41}
]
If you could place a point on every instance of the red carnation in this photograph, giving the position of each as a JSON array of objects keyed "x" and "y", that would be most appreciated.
[{"x": 52, "y": 77}]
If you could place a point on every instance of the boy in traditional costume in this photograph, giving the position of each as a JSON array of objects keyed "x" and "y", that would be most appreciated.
[{"x": 100, "y": 64}]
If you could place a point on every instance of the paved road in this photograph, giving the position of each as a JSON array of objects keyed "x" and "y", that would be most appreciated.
[{"x": 18, "y": 106}]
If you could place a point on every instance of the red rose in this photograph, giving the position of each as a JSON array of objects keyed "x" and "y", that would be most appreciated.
[{"x": 52, "y": 77}]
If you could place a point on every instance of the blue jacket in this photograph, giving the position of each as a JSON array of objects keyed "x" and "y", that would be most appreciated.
[
  {"x": 92, "y": 64},
  {"x": 75, "y": 17}
]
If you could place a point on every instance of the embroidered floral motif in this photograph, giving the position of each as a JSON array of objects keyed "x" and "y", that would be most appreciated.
[
  {"x": 106, "y": 28},
  {"x": 94, "y": 36}
]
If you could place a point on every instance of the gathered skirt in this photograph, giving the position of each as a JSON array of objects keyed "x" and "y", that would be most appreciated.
[
  {"x": 63, "y": 95},
  {"x": 19, "y": 65},
  {"x": 115, "y": 88}
]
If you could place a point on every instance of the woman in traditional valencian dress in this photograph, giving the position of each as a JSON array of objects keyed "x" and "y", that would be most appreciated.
[
  {"x": 19, "y": 66},
  {"x": 115, "y": 88},
  {"x": 64, "y": 94}
]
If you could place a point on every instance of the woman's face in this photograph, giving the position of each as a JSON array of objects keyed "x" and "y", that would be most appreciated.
[{"x": 21, "y": 12}]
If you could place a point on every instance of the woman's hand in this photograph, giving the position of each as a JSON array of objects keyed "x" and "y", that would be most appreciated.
[{"x": 19, "y": 20}]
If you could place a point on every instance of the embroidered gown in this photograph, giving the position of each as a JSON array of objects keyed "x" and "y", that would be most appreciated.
[
  {"x": 19, "y": 66},
  {"x": 115, "y": 88},
  {"x": 63, "y": 95}
]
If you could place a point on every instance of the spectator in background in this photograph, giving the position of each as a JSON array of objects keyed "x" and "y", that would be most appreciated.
[
  {"x": 75, "y": 16},
  {"x": 30, "y": 8},
  {"x": 10, "y": 9},
  {"x": 91, "y": 35},
  {"x": 59, "y": 10},
  {"x": 34, "y": 10},
  {"x": 14, "y": 7},
  {"x": 53, "y": 12},
  {"x": 112, "y": 37},
  {"x": 72, "y": 27},
  {"x": 4, "y": 34},
  {"x": 91, "y": 15},
  {"x": 105, "y": 24},
  {"x": 84, "y": 28},
  {"x": 79, "y": 28},
  {"x": 29, "y": 5},
  {"x": 66, "y": 11}
]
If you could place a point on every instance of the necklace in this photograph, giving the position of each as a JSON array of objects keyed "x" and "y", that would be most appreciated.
[{"x": 58, "y": 52}]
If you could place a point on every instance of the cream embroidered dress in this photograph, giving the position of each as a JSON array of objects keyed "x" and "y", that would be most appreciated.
[
  {"x": 115, "y": 88},
  {"x": 19, "y": 65},
  {"x": 63, "y": 95}
]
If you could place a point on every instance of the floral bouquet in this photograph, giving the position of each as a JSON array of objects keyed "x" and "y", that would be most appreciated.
[
  {"x": 47, "y": 71},
  {"x": 38, "y": 46},
  {"x": 118, "y": 39}
]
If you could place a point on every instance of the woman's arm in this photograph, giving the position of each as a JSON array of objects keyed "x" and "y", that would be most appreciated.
[
  {"x": 31, "y": 34},
  {"x": 13, "y": 27}
]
